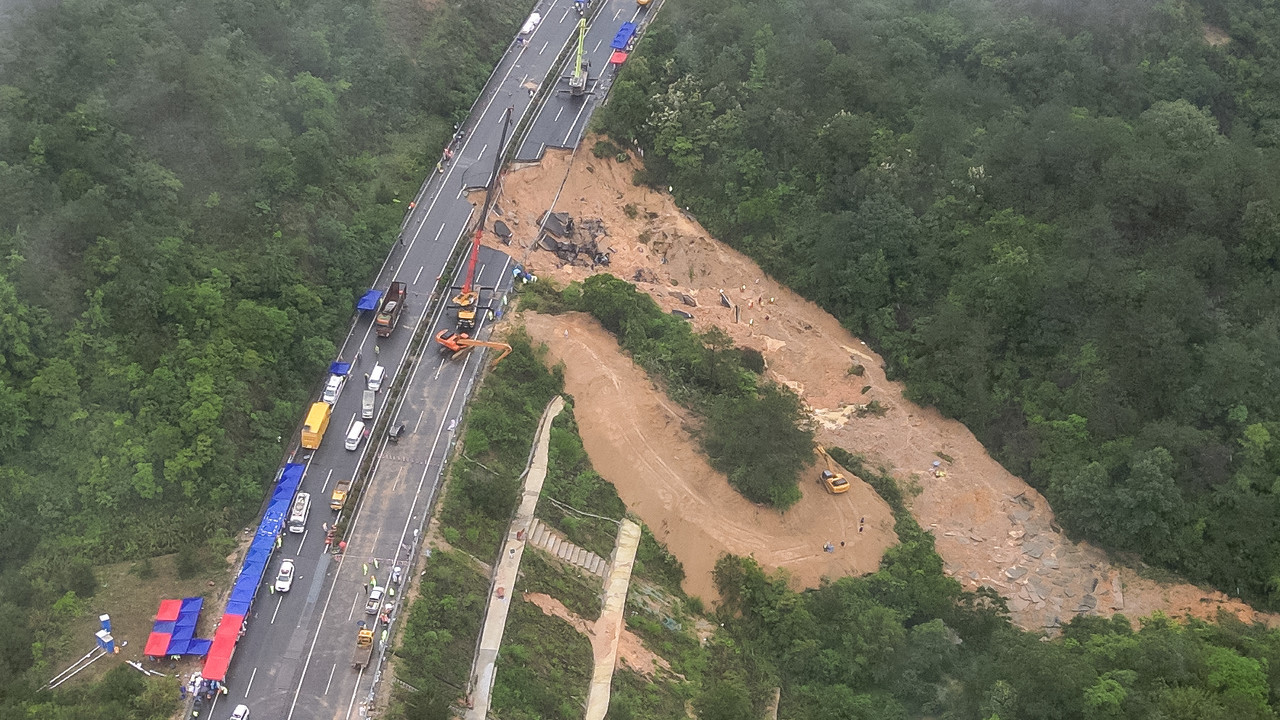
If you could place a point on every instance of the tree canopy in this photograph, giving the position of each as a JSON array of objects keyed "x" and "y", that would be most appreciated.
[
  {"x": 191, "y": 196},
  {"x": 1058, "y": 223}
]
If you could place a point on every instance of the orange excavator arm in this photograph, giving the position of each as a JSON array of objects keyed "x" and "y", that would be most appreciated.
[
  {"x": 468, "y": 343},
  {"x": 459, "y": 343}
]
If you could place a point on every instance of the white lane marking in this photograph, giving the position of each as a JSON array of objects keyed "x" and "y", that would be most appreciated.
[
  {"x": 326, "y": 482},
  {"x": 598, "y": 44},
  {"x": 351, "y": 705},
  {"x": 415, "y": 425},
  {"x": 562, "y": 17},
  {"x": 561, "y": 110},
  {"x": 545, "y": 44},
  {"x": 616, "y": 13},
  {"x": 445, "y": 179},
  {"x": 250, "y": 685},
  {"x": 420, "y": 269},
  {"x": 277, "y": 610},
  {"x": 355, "y": 522},
  {"x": 304, "y": 539},
  {"x": 438, "y": 233},
  {"x": 326, "y": 685},
  {"x": 575, "y": 122},
  {"x": 354, "y": 602}
]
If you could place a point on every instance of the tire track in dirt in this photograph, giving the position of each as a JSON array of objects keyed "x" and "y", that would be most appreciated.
[{"x": 636, "y": 441}]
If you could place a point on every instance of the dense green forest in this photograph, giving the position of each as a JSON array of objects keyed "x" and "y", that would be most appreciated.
[
  {"x": 191, "y": 195},
  {"x": 907, "y": 642},
  {"x": 1058, "y": 222}
]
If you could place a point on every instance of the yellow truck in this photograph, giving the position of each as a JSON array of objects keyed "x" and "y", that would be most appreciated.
[
  {"x": 339, "y": 497},
  {"x": 317, "y": 423}
]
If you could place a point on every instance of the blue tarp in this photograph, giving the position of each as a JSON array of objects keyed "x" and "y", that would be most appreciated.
[
  {"x": 623, "y": 37},
  {"x": 370, "y": 300},
  {"x": 255, "y": 561},
  {"x": 340, "y": 368}
]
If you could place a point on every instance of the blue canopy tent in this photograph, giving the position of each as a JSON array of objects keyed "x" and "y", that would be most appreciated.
[
  {"x": 339, "y": 368},
  {"x": 370, "y": 300}
]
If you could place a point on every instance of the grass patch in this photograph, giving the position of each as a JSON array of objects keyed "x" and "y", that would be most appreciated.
[
  {"x": 543, "y": 668},
  {"x": 500, "y": 427},
  {"x": 657, "y": 565},
  {"x": 440, "y": 633},
  {"x": 636, "y": 697},
  {"x": 131, "y": 600},
  {"x": 678, "y": 645},
  {"x": 539, "y": 573},
  {"x": 573, "y": 482}
]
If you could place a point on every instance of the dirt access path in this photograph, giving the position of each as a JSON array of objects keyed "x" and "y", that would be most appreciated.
[{"x": 991, "y": 527}]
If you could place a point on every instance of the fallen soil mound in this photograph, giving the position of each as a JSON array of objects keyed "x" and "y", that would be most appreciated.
[
  {"x": 637, "y": 440},
  {"x": 991, "y": 527}
]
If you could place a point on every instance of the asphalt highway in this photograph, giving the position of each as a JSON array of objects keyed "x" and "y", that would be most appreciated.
[
  {"x": 293, "y": 660},
  {"x": 562, "y": 119}
]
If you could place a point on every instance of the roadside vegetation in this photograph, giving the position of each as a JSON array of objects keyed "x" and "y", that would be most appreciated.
[
  {"x": 907, "y": 642},
  {"x": 753, "y": 430},
  {"x": 502, "y": 420},
  {"x": 1057, "y": 222},
  {"x": 192, "y": 195},
  {"x": 544, "y": 667},
  {"x": 439, "y": 639}
]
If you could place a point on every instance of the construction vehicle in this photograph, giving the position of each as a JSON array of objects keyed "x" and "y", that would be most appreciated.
[
  {"x": 833, "y": 481},
  {"x": 339, "y": 496},
  {"x": 364, "y": 647},
  {"x": 578, "y": 80},
  {"x": 459, "y": 343},
  {"x": 317, "y": 423},
  {"x": 389, "y": 313},
  {"x": 467, "y": 301}
]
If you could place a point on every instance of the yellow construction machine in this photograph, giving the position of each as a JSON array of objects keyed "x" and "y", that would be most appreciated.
[{"x": 833, "y": 481}]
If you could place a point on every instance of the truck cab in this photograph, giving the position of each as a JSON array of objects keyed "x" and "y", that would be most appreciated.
[{"x": 339, "y": 496}]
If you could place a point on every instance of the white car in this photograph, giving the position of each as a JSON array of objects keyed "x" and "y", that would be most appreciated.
[
  {"x": 334, "y": 387},
  {"x": 284, "y": 578},
  {"x": 240, "y": 713},
  {"x": 374, "y": 603}
]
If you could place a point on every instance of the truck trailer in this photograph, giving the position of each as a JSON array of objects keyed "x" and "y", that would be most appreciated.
[
  {"x": 317, "y": 423},
  {"x": 392, "y": 307}
]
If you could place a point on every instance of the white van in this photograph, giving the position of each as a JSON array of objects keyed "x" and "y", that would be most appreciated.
[
  {"x": 366, "y": 404},
  {"x": 299, "y": 513},
  {"x": 355, "y": 434},
  {"x": 375, "y": 378},
  {"x": 333, "y": 388}
]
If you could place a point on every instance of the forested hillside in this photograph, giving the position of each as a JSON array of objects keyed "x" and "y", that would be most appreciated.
[
  {"x": 1058, "y": 222},
  {"x": 191, "y": 195}
]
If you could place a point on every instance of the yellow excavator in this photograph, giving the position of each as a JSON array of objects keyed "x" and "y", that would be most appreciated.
[
  {"x": 833, "y": 481},
  {"x": 458, "y": 343}
]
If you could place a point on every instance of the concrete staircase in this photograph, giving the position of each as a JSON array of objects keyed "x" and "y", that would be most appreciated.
[{"x": 548, "y": 539}]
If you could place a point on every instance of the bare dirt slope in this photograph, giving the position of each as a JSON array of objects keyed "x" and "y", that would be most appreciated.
[
  {"x": 637, "y": 440},
  {"x": 991, "y": 527}
]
